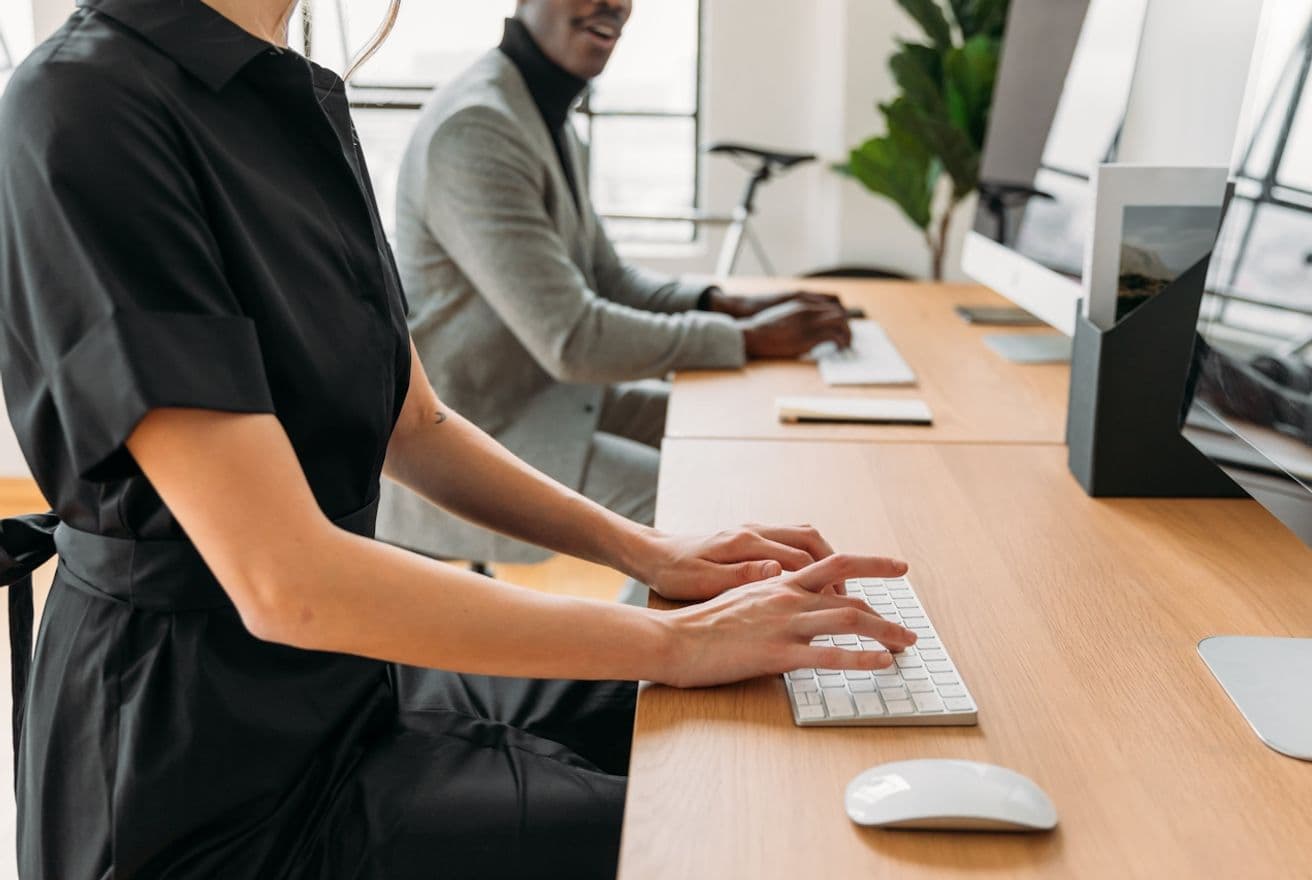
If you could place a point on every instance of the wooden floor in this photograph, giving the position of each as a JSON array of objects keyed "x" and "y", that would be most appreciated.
[{"x": 558, "y": 575}]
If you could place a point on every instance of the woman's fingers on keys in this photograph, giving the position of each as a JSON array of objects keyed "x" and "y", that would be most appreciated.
[
  {"x": 844, "y": 566},
  {"x": 853, "y": 621},
  {"x": 808, "y": 657}
]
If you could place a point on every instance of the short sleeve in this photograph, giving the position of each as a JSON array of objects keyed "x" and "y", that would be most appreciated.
[{"x": 113, "y": 284}]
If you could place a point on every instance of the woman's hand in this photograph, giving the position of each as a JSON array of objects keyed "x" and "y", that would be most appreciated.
[
  {"x": 766, "y": 628},
  {"x": 694, "y": 568}
]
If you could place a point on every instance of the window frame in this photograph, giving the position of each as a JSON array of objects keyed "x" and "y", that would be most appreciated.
[{"x": 411, "y": 97}]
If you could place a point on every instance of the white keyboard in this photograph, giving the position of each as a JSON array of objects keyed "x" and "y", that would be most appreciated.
[
  {"x": 923, "y": 686},
  {"x": 872, "y": 359}
]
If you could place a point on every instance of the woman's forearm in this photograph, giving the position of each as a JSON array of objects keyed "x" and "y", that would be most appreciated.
[
  {"x": 362, "y": 597},
  {"x": 453, "y": 464}
]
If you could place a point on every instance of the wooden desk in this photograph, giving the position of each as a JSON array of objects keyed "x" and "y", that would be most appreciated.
[
  {"x": 1073, "y": 621},
  {"x": 976, "y": 396}
]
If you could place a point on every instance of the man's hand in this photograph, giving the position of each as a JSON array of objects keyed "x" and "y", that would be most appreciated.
[
  {"x": 746, "y": 306},
  {"x": 791, "y": 329},
  {"x": 693, "y": 568}
]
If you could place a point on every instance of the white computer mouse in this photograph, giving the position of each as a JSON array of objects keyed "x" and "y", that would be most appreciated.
[{"x": 947, "y": 794}]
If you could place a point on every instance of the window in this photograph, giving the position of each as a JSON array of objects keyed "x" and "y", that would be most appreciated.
[
  {"x": 1263, "y": 258},
  {"x": 640, "y": 119}
]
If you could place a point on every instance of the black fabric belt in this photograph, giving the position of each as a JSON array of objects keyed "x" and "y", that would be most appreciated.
[{"x": 161, "y": 576}]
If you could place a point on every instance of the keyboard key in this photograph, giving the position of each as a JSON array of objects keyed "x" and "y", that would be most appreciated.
[
  {"x": 900, "y": 707},
  {"x": 810, "y": 713},
  {"x": 868, "y": 705},
  {"x": 889, "y": 674},
  {"x": 906, "y": 603},
  {"x": 845, "y": 640},
  {"x": 839, "y": 704},
  {"x": 918, "y": 675},
  {"x": 927, "y": 702},
  {"x": 909, "y": 621},
  {"x": 908, "y": 661},
  {"x": 801, "y": 673},
  {"x": 959, "y": 704},
  {"x": 929, "y": 643},
  {"x": 922, "y": 632},
  {"x": 939, "y": 666},
  {"x": 822, "y": 641},
  {"x": 920, "y": 687},
  {"x": 952, "y": 690},
  {"x": 861, "y": 687},
  {"x": 822, "y": 673},
  {"x": 897, "y": 583},
  {"x": 830, "y": 682},
  {"x": 884, "y": 609},
  {"x": 804, "y": 687},
  {"x": 870, "y": 582},
  {"x": 856, "y": 674},
  {"x": 808, "y": 699},
  {"x": 897, "y": 693},
  {"x": 934, "y": 654},
  {"x": 945, "y": 678}
]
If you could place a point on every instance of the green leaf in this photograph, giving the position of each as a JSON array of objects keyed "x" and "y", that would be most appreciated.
[
  {"x": 929, "y": 15},
  {"x": 918, "y": 70},
  {"x": 980, "y": 17},
  {"x": 969, "y": 75},
  {"x": 897, "y": 166},
  {"x": 941, "y": 139}
]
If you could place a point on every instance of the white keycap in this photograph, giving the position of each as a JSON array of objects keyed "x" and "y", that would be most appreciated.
[
  {"x": 920, "y": 687},
  {"x": 855, "y": 646},
  {"x": 845, "y": 640},
  {"x": 894, "y": 693},
  {"x": 809, "y": 699},
  {"x": 810, "y": 713},
  {"x": 859, "y": 687},
  {"x": 900, "y": 707},
  {"x": 887, "y": 672},
  {"x": 906, "y": 603},
  {"x": 801, "y": 673},
  {"x": 952, "y": 690},
  {"x": 839, "y": 704},
  {"x": 918, "y": 675},
  {"x": 939, "y": 666},
  {"x": 928, "y": 702},
  {"x": 868, "y": 705},
  {"x": 822, "y": 641},
  {"x": 897, "y": 583},
  {"x": 884, "y": 608},
  {"x": 944, "y": 678},
  {"x": 824, "y": 673},
  {"x": 908, "y": 661},
  {"x": 856, "y": 674},
  {"x": 830, "y": 683},
  {"x": 922, "y": 632},
  {"x": 934, "y": 654},
  {"x": 959, "y": 704},
  {"x": 871, "y": 582},
  {"x": 931, "y": 643},
  {"x": 804, "y": 687},
  {"x": 910, "y": 620}
]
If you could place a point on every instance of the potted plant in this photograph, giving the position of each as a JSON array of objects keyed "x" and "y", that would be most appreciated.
[{"x": 928, "y": 159}]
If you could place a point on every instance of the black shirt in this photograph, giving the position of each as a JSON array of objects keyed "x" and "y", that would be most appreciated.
[
  {"x": 186, "y": 220},
  {"x": 554, "y": 89}
]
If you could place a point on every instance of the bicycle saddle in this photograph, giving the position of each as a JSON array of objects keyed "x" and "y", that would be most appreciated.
[{"x": 771, "y": 157}]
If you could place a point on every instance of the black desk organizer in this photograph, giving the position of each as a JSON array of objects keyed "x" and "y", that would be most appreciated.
[{"x": 1126, "y": 402}]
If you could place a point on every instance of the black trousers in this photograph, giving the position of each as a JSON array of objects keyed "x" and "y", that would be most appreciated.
[{"x": 488, "y": 778}]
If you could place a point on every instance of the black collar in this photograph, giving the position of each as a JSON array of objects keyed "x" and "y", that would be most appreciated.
[
  {"x": 203, "y": 42},
  {"x": 554, "y": 89}
]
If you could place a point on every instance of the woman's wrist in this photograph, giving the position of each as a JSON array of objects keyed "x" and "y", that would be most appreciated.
[{"x": 638, "y": 551}]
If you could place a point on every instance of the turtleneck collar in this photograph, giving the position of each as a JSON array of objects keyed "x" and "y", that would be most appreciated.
[{"x": 554, "y": 89}]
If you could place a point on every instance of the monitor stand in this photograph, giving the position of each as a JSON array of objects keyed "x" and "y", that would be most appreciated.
[
  {"x": 1267, "y": 680},
  {"x": 1031, "y": 348}
]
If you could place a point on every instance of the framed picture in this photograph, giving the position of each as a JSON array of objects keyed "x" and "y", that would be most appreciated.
[{"x": 1150, "y": 225}]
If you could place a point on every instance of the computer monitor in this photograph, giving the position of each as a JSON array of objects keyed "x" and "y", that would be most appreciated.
[
  {"x": 1249, "y": 401},
  {"x": 1062, "y": 91}
]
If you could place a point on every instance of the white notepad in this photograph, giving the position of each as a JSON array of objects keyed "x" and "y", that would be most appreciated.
[
  {"x": 853, "y": 409},
  {"x": 872, "y": 359}
]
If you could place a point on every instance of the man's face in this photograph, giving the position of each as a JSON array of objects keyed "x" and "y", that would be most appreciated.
[{"x": 579, "y": 35}]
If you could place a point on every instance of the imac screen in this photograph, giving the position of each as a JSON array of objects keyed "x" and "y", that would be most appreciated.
[{"x": 1251, "y": 405}]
